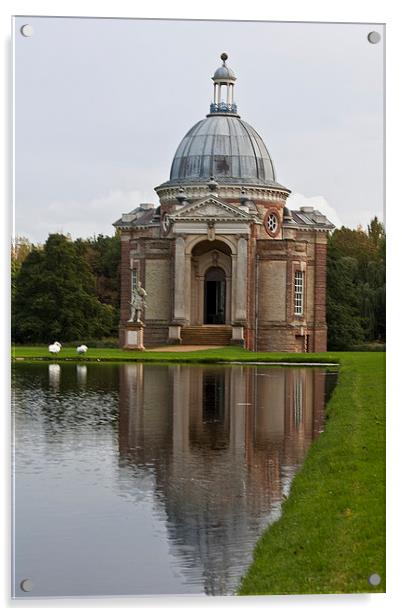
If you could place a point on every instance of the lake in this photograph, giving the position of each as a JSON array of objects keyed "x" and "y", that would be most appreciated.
[{"x": 142, "y": 479}]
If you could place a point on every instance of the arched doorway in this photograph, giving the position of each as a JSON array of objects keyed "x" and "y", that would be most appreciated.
[
  {"x": 211, "y": 283},
  {"x": 214, "y": 296}
]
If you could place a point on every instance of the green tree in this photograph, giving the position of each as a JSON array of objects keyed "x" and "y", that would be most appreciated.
[
  {"x": 376, "y": 231},
  {"x": 20, "y": 249},
  {"x": 102, "y": 254},
  {"x": 55, "y": 296},
  {"x": 356, "y": 286},
  {"x": 345, "y": 327}
]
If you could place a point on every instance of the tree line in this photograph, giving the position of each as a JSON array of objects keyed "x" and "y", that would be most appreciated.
[
  {"x": 356, "y": 286},
  {"x": 69, "y": 290},
  {"x": 65, "y": 290}
]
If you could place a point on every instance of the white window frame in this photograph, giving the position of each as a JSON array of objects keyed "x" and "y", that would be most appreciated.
[{"x": 299, "y": 292}]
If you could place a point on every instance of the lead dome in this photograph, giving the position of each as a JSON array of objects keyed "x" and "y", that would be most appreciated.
[
  {"x": 224, "y": 72},
  {"x": 223, "y": 145}
]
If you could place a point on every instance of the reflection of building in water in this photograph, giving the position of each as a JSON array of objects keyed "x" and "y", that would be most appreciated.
[
  {"x": 223, "y": 443},
  {"x": 54, "y": 376},
  {"x": 82, "y": 372}
]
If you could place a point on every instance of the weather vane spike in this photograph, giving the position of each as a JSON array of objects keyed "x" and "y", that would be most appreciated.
[{"x": 224, "y": 57}]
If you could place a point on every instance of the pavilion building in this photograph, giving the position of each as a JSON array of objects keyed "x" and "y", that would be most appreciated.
[{"x": 222, "y": 259}]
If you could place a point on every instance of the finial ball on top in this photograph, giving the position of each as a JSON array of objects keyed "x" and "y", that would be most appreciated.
[{"x": 224, "y": 56}]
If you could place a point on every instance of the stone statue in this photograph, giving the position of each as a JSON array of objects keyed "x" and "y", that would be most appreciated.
[{"x": 137, "y": 303}]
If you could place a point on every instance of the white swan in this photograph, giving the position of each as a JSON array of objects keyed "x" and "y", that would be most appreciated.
[
  {"x": 82, "y": 349},
  {"x": 55, "y": 347}
]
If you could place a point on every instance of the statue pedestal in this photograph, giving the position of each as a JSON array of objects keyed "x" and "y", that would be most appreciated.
[{"x": 134, "y": 336}]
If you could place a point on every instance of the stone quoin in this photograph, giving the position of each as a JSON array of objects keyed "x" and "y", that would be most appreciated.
[{"x": 222, "y": 259}]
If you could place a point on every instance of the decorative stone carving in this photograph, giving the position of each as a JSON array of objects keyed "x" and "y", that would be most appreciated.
[
  {"x": 211, "y": 208},
  {"x": 137, "y": 303},
  {"x": 211, "y": 231}
]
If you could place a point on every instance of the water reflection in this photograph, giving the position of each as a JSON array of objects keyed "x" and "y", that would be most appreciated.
[
  {"x": 54, "y": 376},
  {"x": 143, "y": 479},
  {"x": 82, "y": 372},
  {"x": 223, "y": 444}
]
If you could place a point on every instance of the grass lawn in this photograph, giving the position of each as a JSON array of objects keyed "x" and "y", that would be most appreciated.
[
  {"x": 331, "y": 535},
  {"x": 231, "y": 353}
]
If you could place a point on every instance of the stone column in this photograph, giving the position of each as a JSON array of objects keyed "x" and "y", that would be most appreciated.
[
  {"x": 239, "y": 293},
  {"x": 201, "y": 299},
  {"x": 240, "y": 309},
  {"x": 187, "y": 288},
  {"x": 179, "y": 307},
  {"x": 179, "y": 280}
]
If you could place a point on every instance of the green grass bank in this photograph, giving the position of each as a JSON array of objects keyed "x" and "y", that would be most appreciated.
[
  {"x": 232, "y": 353},
  {"x": 331, "y": 535}
]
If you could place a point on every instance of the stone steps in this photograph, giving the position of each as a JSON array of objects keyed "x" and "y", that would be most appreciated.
[{"x": 219, "y": 335}]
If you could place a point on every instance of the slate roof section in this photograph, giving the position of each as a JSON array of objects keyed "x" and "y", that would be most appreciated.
[
  {"x": 307, "y": 218},
  {"x": 139, "y": 217}
]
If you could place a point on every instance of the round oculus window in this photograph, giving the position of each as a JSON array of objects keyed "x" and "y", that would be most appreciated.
[{"x": 271, "y": 223}]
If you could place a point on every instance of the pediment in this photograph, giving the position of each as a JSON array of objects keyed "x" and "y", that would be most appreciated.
[{"x": 210, "y": 208}]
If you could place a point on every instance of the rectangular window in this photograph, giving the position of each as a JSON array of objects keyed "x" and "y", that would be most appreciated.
[{"x": 299, "y": 284}]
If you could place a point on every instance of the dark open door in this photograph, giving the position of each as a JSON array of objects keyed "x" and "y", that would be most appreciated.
[{"x": 214, "y": 296}]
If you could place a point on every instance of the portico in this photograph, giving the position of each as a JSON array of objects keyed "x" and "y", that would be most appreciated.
[{"x": 210, "y": 282}]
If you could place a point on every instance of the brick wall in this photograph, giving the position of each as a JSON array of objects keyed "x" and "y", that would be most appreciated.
[
  {"x": 320, "y": 291},
  {"x": 155, "y": 335},
  {"x": 277, "y": 339},
  {"x": 320, "y": 284}
]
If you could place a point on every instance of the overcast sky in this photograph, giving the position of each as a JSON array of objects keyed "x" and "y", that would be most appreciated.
[{"x": 102, "y": 104}]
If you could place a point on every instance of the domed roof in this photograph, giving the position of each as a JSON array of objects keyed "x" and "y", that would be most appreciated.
[
  {"x": 226, "y": 147},
  {"x": 224, "y": 72}
]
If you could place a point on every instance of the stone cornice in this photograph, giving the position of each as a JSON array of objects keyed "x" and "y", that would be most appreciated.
[
  {"x": 168, "y": 194},
  {"x": 312, "y": 227}
]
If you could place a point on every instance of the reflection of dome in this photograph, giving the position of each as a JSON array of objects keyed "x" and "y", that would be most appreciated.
[{"x": 226, "y": 147}]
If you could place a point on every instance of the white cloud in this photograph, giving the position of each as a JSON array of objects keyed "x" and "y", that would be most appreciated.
[
  {"x": 80, "y": 218},
  {"x": 297, "y": 200}
]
